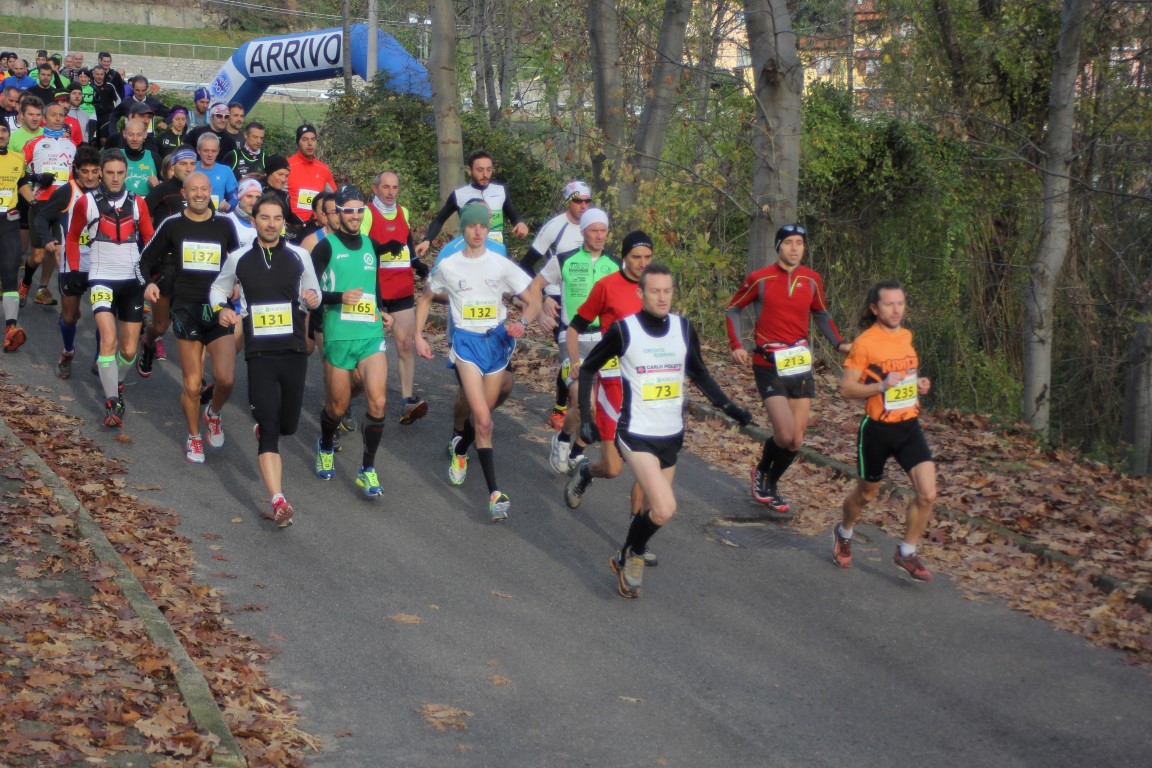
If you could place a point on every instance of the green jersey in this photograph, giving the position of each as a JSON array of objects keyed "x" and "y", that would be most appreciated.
[
  {"x": 577, "y": 272},
  {"x": 345, "y": 263}
]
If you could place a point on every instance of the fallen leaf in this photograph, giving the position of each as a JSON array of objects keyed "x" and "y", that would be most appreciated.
[
  {"x": 499, "y": 680},
  {"x": 405, "y": 618},
  {"x": 501, "y": 595},
  {"x": 444, "y": 717}
]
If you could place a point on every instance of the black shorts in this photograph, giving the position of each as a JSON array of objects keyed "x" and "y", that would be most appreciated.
[
  {"x": 315, "y": 323},
  {"x": 397, "y": 305},
  {"x": 123, "y": 298},
  {"x": 197, "y": 322},
  {"x": 771, "y": 384},
  {"x": 79, "y": 285},
  {"x": 876, "y": 441},
  {"x": 665, "y": 449}
]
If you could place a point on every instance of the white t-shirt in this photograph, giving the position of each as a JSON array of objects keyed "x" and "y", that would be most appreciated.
[
  {"x": 476, "y": 288},
  {"x": 565, "y": 235}
]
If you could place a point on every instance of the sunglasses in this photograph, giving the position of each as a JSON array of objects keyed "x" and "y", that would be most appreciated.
[
  {"x": 580, "y": 200},
  {"x": 793, "y": 229},
  {"x": 351, "y": 210}
]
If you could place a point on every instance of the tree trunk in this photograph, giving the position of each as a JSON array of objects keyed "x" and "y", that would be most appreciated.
[
  {"x": 608, "y": 92},
  {"x": 479, "y": 43},
  {"x": 1055, "y": 229},
  {"x": 442, "y": 71},
  {"x": 779, "y": 85},
  {"x": 346, "y": 13},
  {"x": 663, "y": 84},
  {"x": 1137, "y": 421}
]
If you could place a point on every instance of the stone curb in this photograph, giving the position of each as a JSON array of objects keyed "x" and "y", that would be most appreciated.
[
  {"x": 193, "y": 687},
  {"x": 1103, "y": 581}
]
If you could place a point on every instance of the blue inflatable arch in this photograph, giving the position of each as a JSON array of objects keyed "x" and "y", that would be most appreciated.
[{"x": 307, "y": 56}]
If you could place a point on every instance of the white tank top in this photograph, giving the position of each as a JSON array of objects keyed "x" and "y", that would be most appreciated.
[{"x": 653, "y": 371}]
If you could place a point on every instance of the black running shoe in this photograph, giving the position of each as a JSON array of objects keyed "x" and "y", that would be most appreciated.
[{"x": 145, "y": 359}]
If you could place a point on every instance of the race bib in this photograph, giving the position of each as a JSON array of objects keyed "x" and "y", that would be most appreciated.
[
  {"x": 401, "y": 260},
  {"x": 496, "y": 235},
  {"x": 85, "y": 238},
  {"x": 271, "y": 319},
  {"x": 100, "y": 297},
  {"x": 662, "y": 391},
  {"x": 215, "y": 201},
  {"x": 903, "y": 395},
  {"x": 201, "y": 257},
  {"x": 7, "y": 198},
  {"x": 363, "y": 311},
  {"x": 479, "y": 313},
  {"x": 611, "y": 369},
  {"x": 305, "y": 197},
  {"x": 793, "y": 361}
]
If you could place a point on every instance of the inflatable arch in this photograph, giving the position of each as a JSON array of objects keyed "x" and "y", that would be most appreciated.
[{"x": 306, "y": 56}]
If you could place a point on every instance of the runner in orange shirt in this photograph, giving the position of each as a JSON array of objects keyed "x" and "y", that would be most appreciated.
[
  {"x": 307, "y": 176},
  {"x": 884, "y": 370}
]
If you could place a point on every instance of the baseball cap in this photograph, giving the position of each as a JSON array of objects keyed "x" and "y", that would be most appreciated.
[{"x": 141, "y": 108}]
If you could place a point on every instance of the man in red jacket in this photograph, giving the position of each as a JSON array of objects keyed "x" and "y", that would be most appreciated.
[{"x": 307, "y": 176}]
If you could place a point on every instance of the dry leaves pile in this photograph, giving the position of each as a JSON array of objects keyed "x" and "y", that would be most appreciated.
[
  {"x": 79, "y": 678},
  {"x": 1053, "y": 497}
]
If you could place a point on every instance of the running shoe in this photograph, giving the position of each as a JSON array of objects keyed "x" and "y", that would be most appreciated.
[
  {"x": 452, "y": 445},
  {"x": 14, "y": 338},
  {"x": 650, "y": 558},
  {"x": 629, "y": 570},
  {"x": 414, "y": 408},
  {"x": 194, "y": 449},
  {"x": 281, "y": 513},
  {"x": 114, "y": 413},
  {"x": 842, "y": 548},
  {"x": 146, "y": 358},
  {"x": 912, "y": 566},
  {"x": 498, "y": 506},
  {"x": 23, "y": 294},
  {"x": 215, "y": 428},
  {"x": 369, "y": 482},
  {"x": 556, "y": 418},
  {"x": 160, "y": 353},
  {"x": 761, "y": 490},
  {"x": 325, "y": 463},
  {"x": 64, "y": 365},
  {"x": 347, "y": 424},
  {"x": 558, "y": 455},
  {"x": 44, "y": 297},
  {"x": 578, "y": 484},
  {"x": 458, "y": 469},
  {"x": 206, "y": 390}
]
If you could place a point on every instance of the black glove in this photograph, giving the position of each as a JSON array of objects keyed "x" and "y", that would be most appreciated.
[
  {"x": 588, "y": 433},
  {"x": 73, "y": 283},
  {"x": 44, "y": 179},
  {"x": 421, "y": 269},
  {"x": 741, "y": 416}
]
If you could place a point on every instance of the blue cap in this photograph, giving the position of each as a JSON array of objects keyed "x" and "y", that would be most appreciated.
[{"x": 201, "y": 93}]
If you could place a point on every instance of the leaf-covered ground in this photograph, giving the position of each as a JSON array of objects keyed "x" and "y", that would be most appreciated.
[
  {"x": 1053, "y": 497},
  {"x": 80, "y": 682}
]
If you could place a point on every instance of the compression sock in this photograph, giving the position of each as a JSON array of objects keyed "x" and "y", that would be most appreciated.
[
  {"x": 561, "y": 392},
  {"x": 106, "y": 366},
  {"x": 784, "y": 459},
  {"x": 768, "y": 456},
  {"x": 576, "y": 451},
  {"x": 11, "y": 305},
  {"x": 488, "y": 464},
  {"x": 68, "y": 334},
  {"x": 639, "y": 532},
  {"x": 328, "y": 427},
  {"x": 123, "y": 366},
  {"x": 468, "y": 436},
  {"x": 29, "y": 274},
  {"x": 373, "y": 431}
]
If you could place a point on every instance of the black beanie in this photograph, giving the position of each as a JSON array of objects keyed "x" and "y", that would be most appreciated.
[
  {"x": 632, "y": 239},
  {"x": 788, "y": 230},
  {"x": 275, "y": 163}
]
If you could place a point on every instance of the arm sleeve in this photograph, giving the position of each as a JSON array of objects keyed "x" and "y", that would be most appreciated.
[
  {"x": 441, "y": 216},
  {"x": 308, "y": 281},
  {"x": 50, "y": 212},
  {"x": 822, "y": 316},
  {"x": 613, "y": 344},
  {"x": 154, "y": 258},
  {"x": 145, "y": 223},
  {"x": 230, "y": 187},
  {"x": 222, "y": 286},
  {"x": 75, "y": 229},
  {"x": 321, "y": 256},
  {"x": 697, "y": 370},
  {"x": 748, "y": 292},
  {"x": 510, "y": 213}
]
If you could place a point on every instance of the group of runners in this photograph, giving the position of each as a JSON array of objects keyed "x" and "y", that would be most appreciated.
[{"x": 233, "y": 281}]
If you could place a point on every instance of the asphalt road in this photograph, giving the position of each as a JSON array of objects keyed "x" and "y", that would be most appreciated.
[{"x": 760, "y": 656}]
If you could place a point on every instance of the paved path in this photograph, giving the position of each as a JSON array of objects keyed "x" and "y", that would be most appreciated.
[{"x": 762, "y": 656}]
